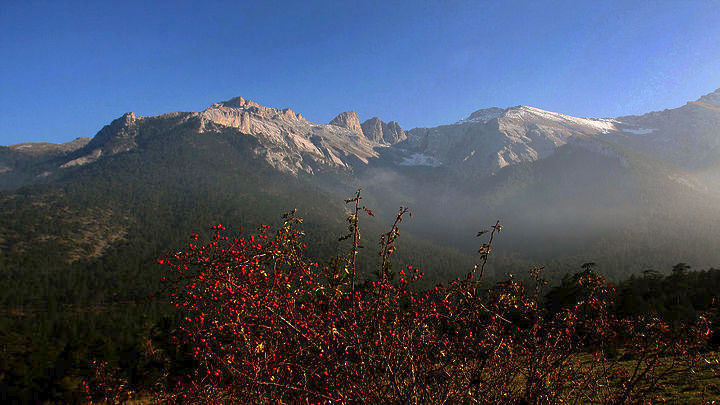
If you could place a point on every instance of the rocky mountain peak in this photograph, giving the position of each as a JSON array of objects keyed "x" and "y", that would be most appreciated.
[
  {"x": 115, "y": 138},
  {"x": 378, "y": 131},
  {"x": 348, "y": 120},
  {"x": 128, "y": 117},
  {"x": 118, "y": 127},
  {"x": 246, "y": 115},
  {"x": 236, "y": 102},
  {"x": 372, "y": 129}
]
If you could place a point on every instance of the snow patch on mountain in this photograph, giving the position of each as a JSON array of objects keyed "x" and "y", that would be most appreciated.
[
  {"x": 419, "y": 159},
  {"x": 688, "y": 182},
  {"x": 639, "y": 131},
  {"x": 604, "y": 125}
]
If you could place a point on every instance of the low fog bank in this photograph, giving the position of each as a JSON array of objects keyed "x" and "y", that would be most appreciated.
[{"x": 571, "y": 208}]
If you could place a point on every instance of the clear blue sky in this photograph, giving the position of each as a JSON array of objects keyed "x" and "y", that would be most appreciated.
[{"x": 68, "y": 68}]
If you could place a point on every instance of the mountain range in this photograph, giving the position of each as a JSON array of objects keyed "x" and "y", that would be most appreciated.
[
  {"x": 483, "y": 143},
  {"x": 629, "y": 193}
]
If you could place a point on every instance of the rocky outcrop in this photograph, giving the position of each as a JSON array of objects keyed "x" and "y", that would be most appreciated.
[
  {"x": 377, "y": 131},
  {"x": 348, "y": 120},
  {"x": 288, "y": 141}
]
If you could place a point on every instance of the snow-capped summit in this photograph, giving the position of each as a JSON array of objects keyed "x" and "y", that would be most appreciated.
[
  {"x": 483, "y": 115},
  {"x": 603, "y": 125}
]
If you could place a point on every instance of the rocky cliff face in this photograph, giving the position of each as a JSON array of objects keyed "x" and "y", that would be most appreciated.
[
  {"x": 378, "y": 131},
  {"x": 393, "y": 133}
]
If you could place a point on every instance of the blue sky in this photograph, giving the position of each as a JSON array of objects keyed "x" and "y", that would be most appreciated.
[{"x": 68, "y": 68}]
